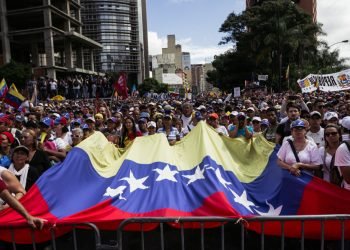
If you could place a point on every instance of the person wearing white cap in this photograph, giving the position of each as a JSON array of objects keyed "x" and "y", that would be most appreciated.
[
  {"x": 331, "y": 117},
  {"x": 316, "y": 132},
  {"x": 342, "y": 155},
  {"x": 256, "y": 121},
  {"x": 152, "y": 128}
]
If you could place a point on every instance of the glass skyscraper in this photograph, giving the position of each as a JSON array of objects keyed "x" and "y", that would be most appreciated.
[{"x": 121, "y": 27}]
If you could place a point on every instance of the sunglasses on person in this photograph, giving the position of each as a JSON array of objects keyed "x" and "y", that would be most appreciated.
[{"x": 331, "y": 133}]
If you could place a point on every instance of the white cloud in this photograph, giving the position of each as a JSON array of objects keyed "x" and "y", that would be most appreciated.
[
  {"x": 199, "y": 54},
  {"x": 334, "y": 15},
  {"x": 156, "y": 43}
]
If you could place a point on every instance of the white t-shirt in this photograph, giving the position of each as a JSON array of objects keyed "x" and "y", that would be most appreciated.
[
  {"x": 326, "y": 164},
  {"x": 309, "y": 155},
  {"x": 185, "y": 122},
  {"x": 222, "y": 129},
  {"x": 342, "y": 159},
  {"x": 318, "y": 137},
  {"x": 60, "y": 144}
]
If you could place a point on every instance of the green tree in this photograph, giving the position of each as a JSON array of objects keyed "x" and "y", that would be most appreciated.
[
  {"x": 267, "y": 38},
  {"x": 16, "y": 73},
  {"x": 151, "y": 84}
]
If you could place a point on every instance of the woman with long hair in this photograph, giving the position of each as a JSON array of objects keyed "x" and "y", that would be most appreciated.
[
  {"x": 129, "y": 132},
  {"x": 332, "y": 139},
  {"x": 37, "y": 158}
]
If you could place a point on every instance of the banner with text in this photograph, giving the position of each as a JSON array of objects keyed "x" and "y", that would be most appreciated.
[{"x": 328, "y": 83}]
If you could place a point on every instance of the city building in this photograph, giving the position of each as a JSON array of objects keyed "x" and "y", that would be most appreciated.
[
  {"x": 199, "y": 76},
  {"x": 121, "y": 27},
  {"x": 172, "y": 67},
  {"x": 310, "y": 6},
  {"x": 46, "y": 34}
]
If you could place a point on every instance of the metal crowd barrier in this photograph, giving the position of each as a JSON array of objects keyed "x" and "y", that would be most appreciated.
[
  {"x": 239, "y": 242},
  {"x": 52, "y": 244},
  {"x": 172, "y": 233}
]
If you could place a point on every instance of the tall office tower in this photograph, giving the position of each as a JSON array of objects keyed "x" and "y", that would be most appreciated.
[
  {"x": 310, "y": 6},
  {"x": 121, "y": 27},
  {"x": 47, "y": 35}
]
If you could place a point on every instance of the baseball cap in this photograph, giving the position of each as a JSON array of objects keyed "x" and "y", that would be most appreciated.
[
  {"x": 198, "y": 115},
  {"x": 85, "y": 126},
  {"x": 61, "y": 120},
  {"x": 144, "y": 115},
  {"x": 329, "y": 115},
  {"x": 345, "y": 123},
  {"x": 21, "y": 148},
  {"x": 19, "y": 118},
  {"x": 297, "y": 124},
  {"x": 201, "y": 107},
  {"x": 256, "y": 118},
  {"x": 151, "y": 124},
  {"x": 315, "y": 113},
  {"x": 234, "y": 113},
  {"x": 168, "y": 107},
  {"x": 250, "y": 109},
  {"x": 214, "y": 116},
  {"x": 265, "y": 122},
  {"x": 112, "y": 119},
  {"x": 78, "y": 121},
  {"x": 66, "y": 115},
  {"x": 47, "y": 121},
  {"x": 90, "y": 119},
  {"x": 142, "y": 120}
]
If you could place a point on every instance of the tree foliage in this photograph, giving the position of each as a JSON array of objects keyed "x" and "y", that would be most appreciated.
[
  {"x": 267, "y": 38},
  {"x": 152, "y": 85},
  {"x": 16, "y": 73}
]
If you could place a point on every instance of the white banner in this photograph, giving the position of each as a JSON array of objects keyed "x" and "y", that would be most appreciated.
[
  {"x": 237, "y": 92},
  {"x": 263, "y": 77},
  {"x": 327, "y": 83}
]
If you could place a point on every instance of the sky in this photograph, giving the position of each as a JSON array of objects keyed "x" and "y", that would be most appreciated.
[{"x": 196, "y": 23}]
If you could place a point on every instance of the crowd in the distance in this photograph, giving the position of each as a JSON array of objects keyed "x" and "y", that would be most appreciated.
[
  {"x": 310, "y": 129},
  {"x": 71, "y": 87}
]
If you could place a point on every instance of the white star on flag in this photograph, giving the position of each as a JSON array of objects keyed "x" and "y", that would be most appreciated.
[
  {"x": 198, "y": 174},
  {"x": 112, "y": 192},
  {"x": 219, "y": 177},
  {"x": 135, "y": 183},
  {"x": 166, "y": 174},
  {"x": 272, "y": 211},
  {"x": 243, "y": 200}
]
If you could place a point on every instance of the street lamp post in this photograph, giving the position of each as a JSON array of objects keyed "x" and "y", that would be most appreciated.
[{"x": 344, "y": 41}]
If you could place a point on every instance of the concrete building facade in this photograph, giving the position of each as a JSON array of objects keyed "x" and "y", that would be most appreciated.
[
  {"x": 172, "y": 62},
  {"x": 199, "y": 76},
  {"x": 121, "y": 27},
  {"x": 46, "y": 34}
]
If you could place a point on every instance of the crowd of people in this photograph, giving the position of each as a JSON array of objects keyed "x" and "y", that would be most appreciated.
[
  {"x": 312, "y": 129},
  {"x": 71, "y": 87}
]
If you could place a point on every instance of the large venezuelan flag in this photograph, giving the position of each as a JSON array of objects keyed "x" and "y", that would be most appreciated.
[{"x": 203, "y": 175}]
